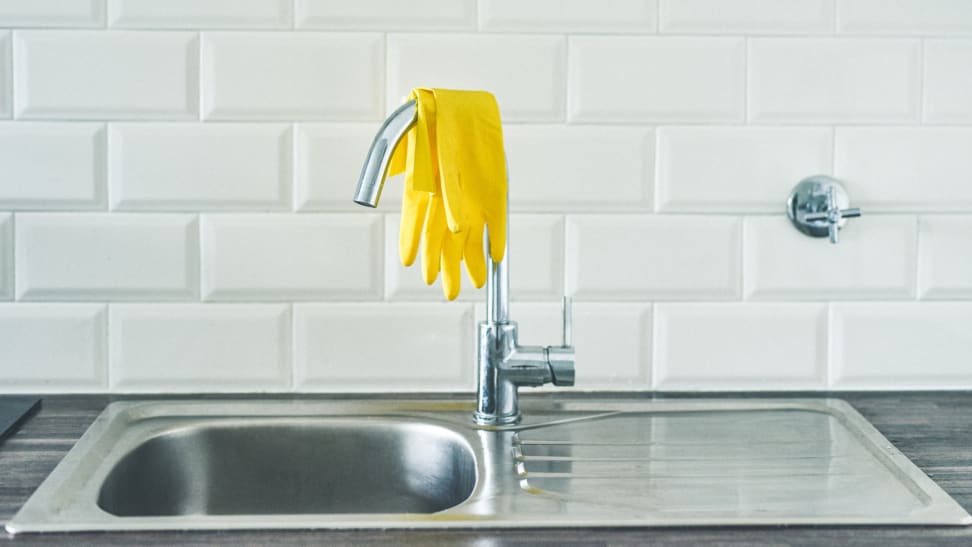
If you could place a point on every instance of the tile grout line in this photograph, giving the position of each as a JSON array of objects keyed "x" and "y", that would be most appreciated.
[
  {"x": 916, "y": 281},
  {"x": 921, "y": 81}
]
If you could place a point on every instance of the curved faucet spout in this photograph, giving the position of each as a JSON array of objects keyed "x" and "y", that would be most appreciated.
[{"x": 375, "y": 169}]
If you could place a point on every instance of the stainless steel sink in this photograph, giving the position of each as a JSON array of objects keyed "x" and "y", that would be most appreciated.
[
  {"x": 423, "y": 464},
  {"x": 292, "y": 466}
]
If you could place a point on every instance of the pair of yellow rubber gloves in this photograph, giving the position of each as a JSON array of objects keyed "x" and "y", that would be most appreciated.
[{"x": 455, "y": 184}]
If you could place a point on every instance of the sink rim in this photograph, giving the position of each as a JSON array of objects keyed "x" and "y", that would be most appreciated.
[{"x": 453, "y": 415}]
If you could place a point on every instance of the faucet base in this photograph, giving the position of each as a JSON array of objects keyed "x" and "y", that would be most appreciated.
[{"x": 494, "y": 420}]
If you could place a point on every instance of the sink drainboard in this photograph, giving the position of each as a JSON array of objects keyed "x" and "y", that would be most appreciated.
[{"x": 381, "y": 463}]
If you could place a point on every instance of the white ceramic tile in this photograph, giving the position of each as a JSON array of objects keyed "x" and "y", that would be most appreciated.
[
  {"x": 307, "y": 76},
  {"x": 195, "y": 14},
  {"x": 52, "y": 13},
  {"x": 68, "y": 256},
  {"x": 6, "y": 74},
  {"x": 932, "y": 17},
  {"x": 948, "y": 81},
  {"x": 536, "y": 263},
  {"x": 736, "y": 346},
  {"x": 746, "y": 16},
  {"x": 745, "y": 169},
  {"x": 626, "y": 257},
  {"x": 568, "y": 15},
  {"x": 582, "y": 168},
  {"x": 291, "y": 257},
  {"x": 907, "y": 345},
  {"x": 526, "y": 73},
  {"x": 47, "y": 348},
  {"x": 651, "y": 79},
  {"x": 199, "y": 347},
  {"x": 6, "y": 256},
  {"x": 612, "y": 342},
  {"x": 50, "y": 165},
  {"x": 384, "y": 347},
  {"x": 906, "y": 168},
  {"x": 945, "y": 256},
  {"x": 827, "y": 80},
  {"x": 328, "y": 160},
  {"x": 99, "y": 75},
  {"x": 875, "y": 259},
  {"x": 176, "y": 166},
  {"x": 386, "y": 15}
]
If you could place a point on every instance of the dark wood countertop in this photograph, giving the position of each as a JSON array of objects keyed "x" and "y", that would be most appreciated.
[{"x": 934, "y": 429}]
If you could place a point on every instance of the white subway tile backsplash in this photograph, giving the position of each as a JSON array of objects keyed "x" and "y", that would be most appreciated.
[
  {"x": 948, "y": 81},
  {"x": 904, "y": 17},
  {"x": 561, "y": 167},
  {"x": 536, "y": 249},
  {"x": 651, "y": 79},
  {"x": 6, "y": 256},
  {"x": 50, "y": 165},
  {"x": 288, "y": 76},
  {"x": 6, "y": 77},
  {"x": 199, "y": 347},
  {"x": 633, "y": 257},
  {"x": 48, "y": 348},
  {"x": 826, "y": 80},
  {"x": 746, "y": 16},
  {"x": 612, "y": 341},
  {"x": 386, "y": 15},
  {"x": 88, "y": 74},
  {"x": 628, "y": 16},
  {"x": 207, "y": 150},
  {"x": 745, "y": 169},
  {"x": 384, "y": 347},
  {"x": 176, "y": 166},
  {"x": 945, "y": 256},
  {"x": 875, "y": 259},
  {"x": 910, "y": 345},
  {"x": 192, "y": 14},
  {"x": 328, "y": 160},
  {"x": 291, "y": 257},
  {"x": 906, "y": 168},
  {"x": 52, "y": 13},
  {"x": 93, "y": 256},
  {"x": 733, "y": 346},
  {"x": 526, "y": 73}
]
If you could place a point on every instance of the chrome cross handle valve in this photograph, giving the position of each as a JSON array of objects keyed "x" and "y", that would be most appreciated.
[{"x": 818, "y": 207}]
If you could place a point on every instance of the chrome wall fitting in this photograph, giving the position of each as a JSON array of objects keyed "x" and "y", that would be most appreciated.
[{"x": 818, "y": 207}]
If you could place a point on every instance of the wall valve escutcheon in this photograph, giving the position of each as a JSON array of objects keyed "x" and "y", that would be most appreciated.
[{"x": 818, "y": 207}]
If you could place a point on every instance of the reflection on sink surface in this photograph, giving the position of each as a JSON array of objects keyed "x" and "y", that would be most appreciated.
[
  {"x": 745, "y": 462},
  {"x": 374, "y": 463},
  {"x": 292, "y": 466}
]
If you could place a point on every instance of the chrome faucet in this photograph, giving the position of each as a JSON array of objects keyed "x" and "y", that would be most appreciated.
[{"x": 502, "y": 364}]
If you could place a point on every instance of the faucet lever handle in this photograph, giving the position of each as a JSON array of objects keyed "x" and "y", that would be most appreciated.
[{"x": 567, "y": 310}]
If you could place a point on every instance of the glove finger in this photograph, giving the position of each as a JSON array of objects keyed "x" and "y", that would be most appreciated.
[
  {"x": 414, "y": 208},
  {"x": 496, "y": 228},
  {"x": 474, "y": 256},
  {"x": 432, "y": 235},
  {"x": 450, "y": 263}
]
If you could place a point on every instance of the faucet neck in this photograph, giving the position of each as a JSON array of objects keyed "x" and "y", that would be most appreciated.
[{"x": 498, "y": 284}]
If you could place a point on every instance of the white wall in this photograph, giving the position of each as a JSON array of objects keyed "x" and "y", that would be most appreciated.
[{"x": 175, "y": 183}]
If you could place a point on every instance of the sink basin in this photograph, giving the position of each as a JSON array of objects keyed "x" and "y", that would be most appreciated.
[
  {"x": 379, "y": 463},
  {"x": 292, "y": 466}
]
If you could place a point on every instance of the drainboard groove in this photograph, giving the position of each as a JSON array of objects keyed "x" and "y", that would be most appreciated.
[
  {"x": 652, "y": 477},
  {"x": 650, "y": 459}
]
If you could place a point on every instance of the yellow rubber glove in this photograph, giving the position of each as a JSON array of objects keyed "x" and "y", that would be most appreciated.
[
  {"x": 472, "y": 169},
  {"x": 447, "y": 222}
]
